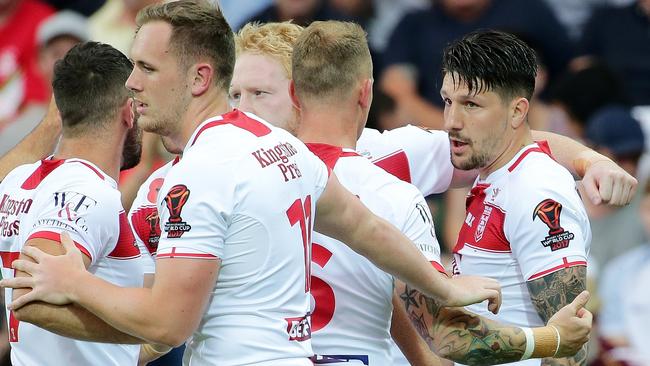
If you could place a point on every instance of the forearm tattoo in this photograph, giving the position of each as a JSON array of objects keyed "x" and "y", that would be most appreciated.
[
  {"x": 461, "y": 336},
  {"x": 552, "y": 292}
]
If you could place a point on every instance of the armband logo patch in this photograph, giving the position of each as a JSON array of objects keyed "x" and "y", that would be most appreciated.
[
  {"x": 175, "y": 200},
  {"x": 549, "y": 212}
]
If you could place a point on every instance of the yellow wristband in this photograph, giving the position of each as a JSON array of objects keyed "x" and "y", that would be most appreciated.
[{"x": 547, "y": 342}]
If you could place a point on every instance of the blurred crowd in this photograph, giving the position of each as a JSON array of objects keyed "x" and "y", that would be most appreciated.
[{"x": 593, "y": 85}]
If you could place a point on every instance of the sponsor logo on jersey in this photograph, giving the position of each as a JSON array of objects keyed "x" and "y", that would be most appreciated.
[
  {"x": 72, "y": 206},
  {"x": 549, "y": 212},
  {"x": 485, "y": 216},
  {"x": 12, "y": 207},
  {"x": 279, "y": 154},
  {"x": 299, "y": 329},
  {"x": 175, "y": 200}
]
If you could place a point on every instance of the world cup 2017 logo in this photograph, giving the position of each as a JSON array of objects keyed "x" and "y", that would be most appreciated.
[
  {"x": 549, "y": 212},
  {"x": 175, "y": 200}
]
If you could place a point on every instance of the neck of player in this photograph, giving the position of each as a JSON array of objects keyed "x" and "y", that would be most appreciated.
[
  {"x": 520, "y": 138},
  {"x": 211, "y": 104},
  {"x": 329, "y": 124},
  {"x": 104, "y": 152}
]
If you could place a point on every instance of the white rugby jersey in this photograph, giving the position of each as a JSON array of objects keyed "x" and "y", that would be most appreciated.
[
  {"x": 245, "y": 192},
  {"x": 352, "y": 297},
  {"x": 144, "y": 216},
  {"x": 524, "y": 221},
  {"x": 415, "y": 155},
  {"x": 43, "y": 199}
]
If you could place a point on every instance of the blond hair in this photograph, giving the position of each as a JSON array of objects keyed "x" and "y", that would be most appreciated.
[
  {"x": 199, "y": 30},
  {"x": 275, "y": 40},
  {"x": 329, "y": 58}
]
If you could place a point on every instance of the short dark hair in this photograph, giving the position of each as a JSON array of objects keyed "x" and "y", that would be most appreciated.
[
  {"x": 329, "y": 57},
  {"x": 88, "y": 85},
  {"x": 199, "y": 29},
  {"x": 489, "y": 60}
]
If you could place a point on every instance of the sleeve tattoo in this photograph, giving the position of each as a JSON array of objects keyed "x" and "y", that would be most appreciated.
[
  {"x": 552, "y": 292},
  {"x": 461, "y": 336}
]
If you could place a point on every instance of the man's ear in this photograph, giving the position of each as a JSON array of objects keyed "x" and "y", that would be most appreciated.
[
  {"x": 292, "y": 93},
  {"x": 128, "y": 113},
  {"x": 202, "y": 75},
  {"x": 518, "y": 112},
  {"x": 365, "y": 93}
]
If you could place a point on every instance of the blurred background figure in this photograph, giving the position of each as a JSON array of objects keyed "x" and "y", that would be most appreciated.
[
  {"x": 625, "y": 313},
  {"x": 580, "y": 93},
  {"x": 614, "y": 133},
  {"x": 412, "y": 60},
  {"x": 21, "y": 84},
  {"x": 54, "y": 37},
  {"x": 114, "y": 23},
  {"x": 302, "y": 12},
  {"x": 83, "y": 7},
  {"x": 619, "y": 37},
  {"x": 237, "y": 12}
]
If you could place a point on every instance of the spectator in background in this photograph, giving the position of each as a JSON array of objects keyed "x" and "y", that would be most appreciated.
[
  {"x": 20, "y": 82},
  {"x": 387, "y": 14},
  {"x": 619, "y": 37},
  {"x": 55, "y": 36},
  {"x": 83, "y": 7},
  {"x": 237, "y": 11},
  {"x": 412, "y": 59},
  {"x": 624, "y": 317},
  {"x": 302, "y": 12},
  {"x": 614, "y": 133},
  {"x": 583, "y": 92},
  {"x": 114, "y": 23},
  {"x": 573, "y": 14}
]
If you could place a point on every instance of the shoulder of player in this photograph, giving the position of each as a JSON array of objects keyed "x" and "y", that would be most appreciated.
[
  {"x": 399, "y": 195},
  {"x": 539, "y": 170},
  {"x": 78, "y": 179},
  {"x": 20, "y": 173}
]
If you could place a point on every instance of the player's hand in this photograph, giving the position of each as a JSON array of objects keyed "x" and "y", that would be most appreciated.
[
  {"x": 52, "y": 277},
  {"x": 466, "y": 290},
  {"x": 606, "y": 182},
  {"x": 574, "y": 324}
]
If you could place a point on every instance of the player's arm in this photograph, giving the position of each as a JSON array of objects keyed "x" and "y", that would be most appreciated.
[
  {"x": 179, "y": 294},
  {"x": 604, "y": 180},
  {"x": 470, "y": 339},
  {"x": 69, "y": 320},
  {"x": 553, "y": 291},
  {"x": 414, "y": 348},
  {"x": 341, "y": 215},
  {"x": 38, "y": 144}
]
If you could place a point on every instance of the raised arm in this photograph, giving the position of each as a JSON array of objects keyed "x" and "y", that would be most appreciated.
[
  {"x": 69, "y": 320},
  {"x": 604, "y": 180},
  {"x": 470, "y": 339},
  {"x": 37, "y": 145},
  {"x": 342, "y": 216}
]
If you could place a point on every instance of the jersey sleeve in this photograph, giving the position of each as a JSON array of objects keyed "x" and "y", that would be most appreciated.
[
  {"x": 418, "y": 227},
  {"x": 145, "y": 221},
  {"x": 428, "y": 157},
  {"x": 91, "y": 216},
  {"x": 195, "y": 208},
  {"x": 548, "y": 229}
]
